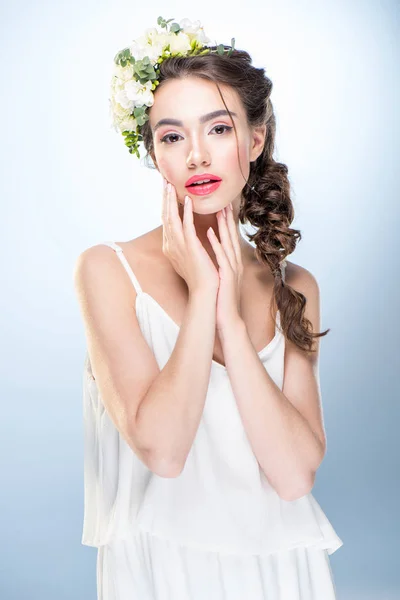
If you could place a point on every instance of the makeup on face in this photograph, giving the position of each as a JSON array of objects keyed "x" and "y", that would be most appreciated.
[
  {"x": 197, "y": 149},
  {"x": 205, "y": 189},
  {"x": 203, "y": 184}
]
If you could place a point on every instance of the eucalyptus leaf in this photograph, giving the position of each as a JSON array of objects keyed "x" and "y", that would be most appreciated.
[
  {"x": 175, "y": 28},
  {"x": 138, "y": 111}
]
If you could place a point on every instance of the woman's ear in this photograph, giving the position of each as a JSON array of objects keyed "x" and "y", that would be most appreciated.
[{"x": 257, "y": 141}]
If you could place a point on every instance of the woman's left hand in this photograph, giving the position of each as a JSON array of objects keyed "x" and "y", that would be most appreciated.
[{"x": 229, "y": 258}]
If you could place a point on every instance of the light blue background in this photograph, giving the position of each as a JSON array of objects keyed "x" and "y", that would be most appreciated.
[{"x": 68, "y": 182}]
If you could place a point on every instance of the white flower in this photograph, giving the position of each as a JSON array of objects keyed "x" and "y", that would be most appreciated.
[
  {"x": 151, "y": 45},
  {"x": 179, "y": 42},
  {"x": 189, "y": 26},
  {"x": 129, "y": 123},
  {"x": 122, "y": 99},
  {"x": 194, "y": 31},
  {"x": 121, "y": 119},
  {"x": 140, "y": 50},
  {"x": 123, "y": 73},
  {"x": 151, "y": 34},
  {"x": 136, "y": 94},
  {"x": 120, "y": 112},
  {"x": 117, "y": 86}
]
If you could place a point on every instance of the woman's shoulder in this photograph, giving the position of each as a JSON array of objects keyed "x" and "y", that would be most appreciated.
[
  {"x": 297, "y": 273},
  {"x": 142, "y": 253},
  {"x": 144, "y": 246},
  {"x": 301, "y": 279},
  {"x": 149, "y": 244}
]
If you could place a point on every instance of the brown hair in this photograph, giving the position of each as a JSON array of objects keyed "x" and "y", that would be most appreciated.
[{"x": 266, "y": 202}]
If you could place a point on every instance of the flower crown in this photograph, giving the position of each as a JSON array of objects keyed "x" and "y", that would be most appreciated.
[{"x": 137, "y": 68}]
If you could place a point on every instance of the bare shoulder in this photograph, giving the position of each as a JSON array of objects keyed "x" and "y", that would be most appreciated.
[
  {"x": 301, "y": 279},
  {"x": 304, "y": 282},
  {"x": 141, "y": 246},
  {"x": 100, "y": 260}
]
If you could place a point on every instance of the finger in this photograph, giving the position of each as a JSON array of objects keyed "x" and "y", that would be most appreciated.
[
  {"x": 168, "y": 233},
  {"x": 164, "y": 204},
  {"x": 233, "y": 235},
  {"x": 164, "y": 212},
  {"x": 175, "y": 222},
  {"x": 225, "y": 236},
  {"x": 218, "y": 249},
  {"x": 188, "y": 224}
]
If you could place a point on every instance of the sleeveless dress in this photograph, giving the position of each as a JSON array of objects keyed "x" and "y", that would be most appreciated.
[{"x": 218, "y": 531}]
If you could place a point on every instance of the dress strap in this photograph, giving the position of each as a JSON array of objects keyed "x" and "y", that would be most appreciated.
[{"x": 125, "y": 263}]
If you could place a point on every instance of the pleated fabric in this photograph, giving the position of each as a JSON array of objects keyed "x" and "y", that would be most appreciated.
[{"x": 146, "y": 567}]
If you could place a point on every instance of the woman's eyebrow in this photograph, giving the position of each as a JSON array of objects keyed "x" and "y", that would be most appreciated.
[{"x": 202, "y": 119}]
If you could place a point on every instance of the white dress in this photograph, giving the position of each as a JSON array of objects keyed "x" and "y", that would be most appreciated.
[{"x": 218, "y": 531}]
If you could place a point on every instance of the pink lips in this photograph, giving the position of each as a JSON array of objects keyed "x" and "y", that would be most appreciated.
[
  {"x": 201, "y": 177},
  {"x": 205, "y": 189}
]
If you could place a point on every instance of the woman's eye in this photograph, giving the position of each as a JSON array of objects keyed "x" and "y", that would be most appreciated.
[
  {"x": 167, "y": 138},
  {"x": 225, "y": 127}
]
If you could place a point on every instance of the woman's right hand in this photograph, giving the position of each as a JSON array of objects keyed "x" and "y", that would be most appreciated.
[{"x": 182, "y": 246}]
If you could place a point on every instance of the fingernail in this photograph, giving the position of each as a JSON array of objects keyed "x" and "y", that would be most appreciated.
[
  {"x": 186, "y": 199},
  {"x": 169, "y": 187},
  {"x": 231, "y": 207},
  {"x": 165, "y": 183},
  {"x": 223, "y": 212}
]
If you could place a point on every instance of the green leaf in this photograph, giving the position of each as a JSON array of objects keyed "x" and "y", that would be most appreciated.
[
  {"x": 163, "y": 23},
  {"x": 233, "y": 47},
  {"x": 175, "y": 28}
]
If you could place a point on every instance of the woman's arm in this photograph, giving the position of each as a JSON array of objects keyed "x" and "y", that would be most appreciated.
[
  {"x": 169, "y": 415},
  {"x": 157, "y": 412},
  {"x": 285, "y": 428}
]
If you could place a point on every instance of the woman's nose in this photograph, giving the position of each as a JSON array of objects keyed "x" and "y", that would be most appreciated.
[{"x": 198, "y": 155}]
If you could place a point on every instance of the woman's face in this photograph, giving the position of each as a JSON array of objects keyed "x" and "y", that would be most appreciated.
[{"x": 195, "y": 144}]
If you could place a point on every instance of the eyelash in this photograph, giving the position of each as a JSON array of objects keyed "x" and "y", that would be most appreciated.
[{"x": 163, "y": 139}]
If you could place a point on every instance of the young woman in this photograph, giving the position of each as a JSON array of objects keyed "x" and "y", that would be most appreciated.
[{"x": 202, "y": 409}]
